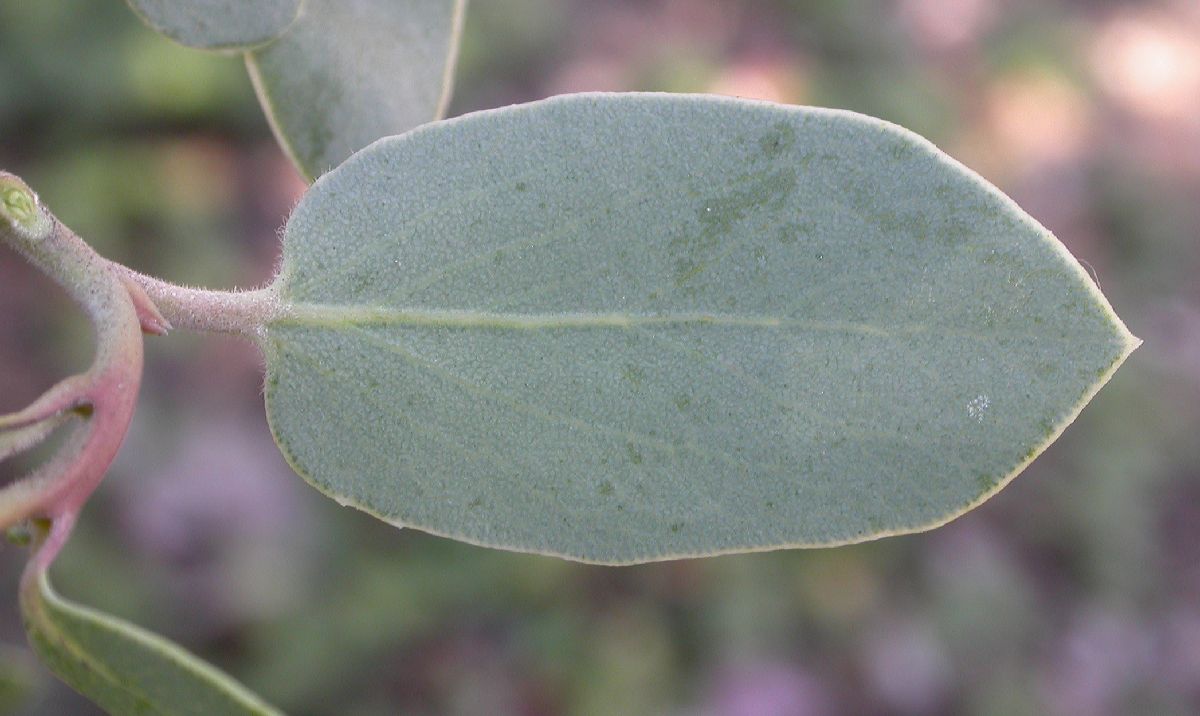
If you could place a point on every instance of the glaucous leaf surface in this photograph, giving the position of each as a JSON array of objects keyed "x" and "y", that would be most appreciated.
[
  {"x": 123, "y": 668},
  {"x": 351, "y": 71},
  {"x": 621, "y": 328},
  {"x": 218, "y": 24}
]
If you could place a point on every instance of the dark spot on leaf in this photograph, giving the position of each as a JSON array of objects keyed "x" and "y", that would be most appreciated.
[
  {"x": 788, "y": 234},
  {"x": 717, "y": 215},
  {"x": 986, "y": 482},
  {"x": 633, "y": 374},
  {"x": 606, "y": 489},
  {"x": 900, "y": 151},
  {"x": 685, "y": 270},
  {"x": 779, "y": 139}
]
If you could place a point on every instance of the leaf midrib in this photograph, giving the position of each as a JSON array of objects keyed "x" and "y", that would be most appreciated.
[{"x": 335, "y": 316}]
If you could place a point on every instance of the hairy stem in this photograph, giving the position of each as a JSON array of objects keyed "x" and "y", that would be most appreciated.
[{"x": 238, "y": 312}]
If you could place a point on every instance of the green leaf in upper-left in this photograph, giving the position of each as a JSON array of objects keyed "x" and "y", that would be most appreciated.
[
  {"x": 218, "y": 24},
  {"x": 332, "y": 75},
  {"x": 349, "y": 72}
]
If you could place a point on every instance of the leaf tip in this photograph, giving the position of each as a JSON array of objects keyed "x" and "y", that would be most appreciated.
[{"x": 1132, "y": 342}]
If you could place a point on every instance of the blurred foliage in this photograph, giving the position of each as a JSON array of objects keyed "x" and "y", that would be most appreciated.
[{"x": 1075, "y": 591}]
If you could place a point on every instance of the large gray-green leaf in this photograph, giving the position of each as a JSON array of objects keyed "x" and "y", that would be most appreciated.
[
  {"x": 218, "y": 24},
  {"x": 351, "y": 71},
  {"x": 123, "y": 668},
  {"x": 633, "y": 327}
]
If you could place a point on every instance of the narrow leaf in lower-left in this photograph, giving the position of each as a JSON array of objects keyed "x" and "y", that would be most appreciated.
[{"x": 124, "y": 668}]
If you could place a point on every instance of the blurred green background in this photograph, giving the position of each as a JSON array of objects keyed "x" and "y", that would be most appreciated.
[{"x": 1075, "y": 591}]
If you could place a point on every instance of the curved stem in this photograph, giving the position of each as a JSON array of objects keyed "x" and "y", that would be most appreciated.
[
  {"x": 104, "y": 396},
  {"x": 19, "y": 439},
  {"x": 121, "y": 304},
  {"x": 67, "y": 394},
  {"x": 48, "y": 540}
]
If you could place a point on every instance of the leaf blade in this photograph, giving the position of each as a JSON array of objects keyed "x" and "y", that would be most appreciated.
[
  {"x": 124, "y": 668},
  {"x": 622, "y": 328},
  {"x": 217, "y": 24},
  {"x": 348, "y": 73}
]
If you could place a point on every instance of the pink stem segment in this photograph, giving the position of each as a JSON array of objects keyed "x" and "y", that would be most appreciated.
[{"x": 104, "y": 396}]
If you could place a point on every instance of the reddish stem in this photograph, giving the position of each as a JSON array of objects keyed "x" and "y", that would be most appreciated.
[{"x": 105, "y": 395}]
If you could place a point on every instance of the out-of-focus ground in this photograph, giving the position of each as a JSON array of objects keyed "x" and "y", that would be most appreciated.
[{"x": 1075, "y": 591}]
